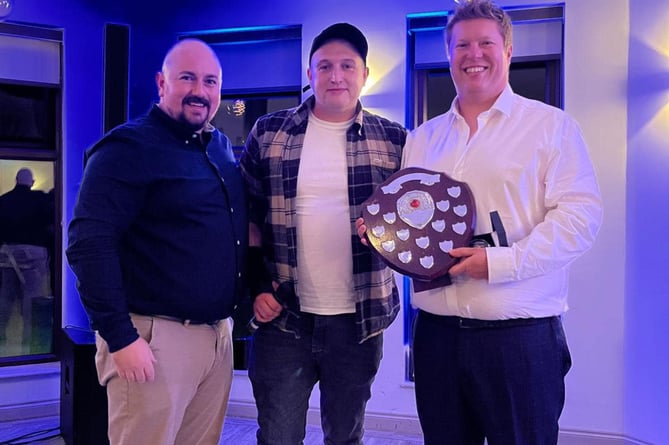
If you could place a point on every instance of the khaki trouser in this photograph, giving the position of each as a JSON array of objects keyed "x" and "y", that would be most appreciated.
[{"x": 186, "y": 403}]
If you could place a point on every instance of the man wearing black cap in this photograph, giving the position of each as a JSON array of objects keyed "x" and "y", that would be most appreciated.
[{"x": 308, "y": 170}]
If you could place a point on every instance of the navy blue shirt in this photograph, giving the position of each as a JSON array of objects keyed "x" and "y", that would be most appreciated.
[
  {"x": 26, "y": 217},
  {"x": 159, "y": 227}
]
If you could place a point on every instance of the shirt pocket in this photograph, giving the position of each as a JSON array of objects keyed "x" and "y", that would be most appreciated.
[
  {"x": 388, "y": 164},
  {"x": 382, "y": 168}
]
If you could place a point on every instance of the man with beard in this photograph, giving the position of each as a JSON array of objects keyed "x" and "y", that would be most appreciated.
[{"x": 156, "y": 243}]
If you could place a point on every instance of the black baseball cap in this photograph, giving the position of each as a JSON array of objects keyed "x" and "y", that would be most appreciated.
[{"x": 341, "y": 31}]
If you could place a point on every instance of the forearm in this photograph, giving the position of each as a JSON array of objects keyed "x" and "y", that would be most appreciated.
[
  {"x": 105, "y": 208},
  {"x": 553, "y": 244},
  {"x": 566, "y": 231},
  {"x": 259, "y": 277},
  {"x": 95, "y": 264},
  {"x": 255, "y": 236}
]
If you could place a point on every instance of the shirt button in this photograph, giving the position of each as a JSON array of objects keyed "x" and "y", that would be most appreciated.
[
  {"x": 238, "y": 243},
  {"x": 239, "y": 275},
  {"x": 187, "y": 141},
  {"x": 232, "y": 210},
  {"x": 194, "y": 135}
]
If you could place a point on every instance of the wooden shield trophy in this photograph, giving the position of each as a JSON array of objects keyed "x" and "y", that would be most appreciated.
[{"x": 415, "y": 218}]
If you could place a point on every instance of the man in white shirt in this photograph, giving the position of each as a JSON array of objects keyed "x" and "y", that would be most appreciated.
[{"x": 490, "y": 353}]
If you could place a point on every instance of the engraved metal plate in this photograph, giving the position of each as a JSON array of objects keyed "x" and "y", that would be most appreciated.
[{"x": 415, "y": 218}]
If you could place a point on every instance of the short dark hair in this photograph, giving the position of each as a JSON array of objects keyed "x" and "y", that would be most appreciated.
[
  {"x": 341, "y": 31},
  {"x": 481, "y": 9}
]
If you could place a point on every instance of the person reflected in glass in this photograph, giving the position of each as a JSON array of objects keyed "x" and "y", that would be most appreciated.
[{"x": 25, "y": 234}]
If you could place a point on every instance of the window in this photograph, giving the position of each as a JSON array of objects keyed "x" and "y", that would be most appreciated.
[
  {"x": 537, "y": 78},
  {"x": 27, "y": 115},
  {"x": 239, "y": 111},
  {"x": 30, "y": 191}
]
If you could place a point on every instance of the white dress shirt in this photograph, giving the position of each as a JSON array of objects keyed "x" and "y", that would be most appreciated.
[{"x": 529, "y": 162}]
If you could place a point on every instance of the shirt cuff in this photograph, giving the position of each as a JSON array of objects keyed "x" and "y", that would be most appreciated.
[{"x": 501, "y": 267}]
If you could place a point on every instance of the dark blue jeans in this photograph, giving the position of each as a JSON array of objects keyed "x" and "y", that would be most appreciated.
[
  {"x": 284, "y": 369},
  {"x": 474, "y": 381}
]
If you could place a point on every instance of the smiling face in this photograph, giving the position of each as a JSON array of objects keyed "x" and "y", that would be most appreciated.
[
  {"x": 336, "y": 74},
  {"x": 479, "y": 60},
  {"x": 189, "y": 84}
]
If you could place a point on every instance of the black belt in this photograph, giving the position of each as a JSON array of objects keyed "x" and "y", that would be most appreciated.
[
  {"x": 472, "y": 323},
  {"x": 186, "y": 321}
]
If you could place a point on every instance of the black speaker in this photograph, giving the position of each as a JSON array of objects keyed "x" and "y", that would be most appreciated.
[
  {"x": 117, "y": 45},
  {"x": 83, "y": 402}
]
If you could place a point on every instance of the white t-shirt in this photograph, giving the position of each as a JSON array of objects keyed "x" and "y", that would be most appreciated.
[
  {"x": 529, "y": 162},
  {"x": 324, "y": 256}
]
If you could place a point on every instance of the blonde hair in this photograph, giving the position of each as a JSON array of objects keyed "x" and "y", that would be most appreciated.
[{"x": 481, "y": 9}]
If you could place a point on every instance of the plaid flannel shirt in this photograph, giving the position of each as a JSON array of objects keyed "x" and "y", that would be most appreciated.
[{"x": 270, "y": 164}]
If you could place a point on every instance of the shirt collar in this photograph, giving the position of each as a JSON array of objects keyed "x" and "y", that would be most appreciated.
[
  {"x": 503, "y": 103},
  {"x": 179, "y": 129},
  {"x": 308, "y": 106}
]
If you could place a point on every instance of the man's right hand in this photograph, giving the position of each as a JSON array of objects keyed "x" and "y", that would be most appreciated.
[
  {"x": 266, "y": 308},
  {"x": 134, "y": 363},
  {"x": 361, "y": 228}
]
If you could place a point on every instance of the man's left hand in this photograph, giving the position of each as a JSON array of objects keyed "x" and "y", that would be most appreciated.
[{"x": 473, "y": 263}]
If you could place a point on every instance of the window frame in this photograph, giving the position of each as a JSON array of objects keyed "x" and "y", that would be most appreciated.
[{"x": 17, "y": 152}]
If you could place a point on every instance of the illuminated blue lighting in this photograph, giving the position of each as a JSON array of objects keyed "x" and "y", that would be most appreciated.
[
  {"x": 427, "y": 14},
  {"x": 429, "y": 28},
  {"x": 246, "y": 34},
  {"x": 240, "y": 29}
]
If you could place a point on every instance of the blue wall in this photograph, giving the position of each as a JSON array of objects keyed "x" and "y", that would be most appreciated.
[{"x": 647, "y": 288}]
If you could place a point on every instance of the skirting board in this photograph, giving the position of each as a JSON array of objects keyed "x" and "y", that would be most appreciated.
[
  {"x": 407, "y": 425},
  {"x": 26, "y": 411},
  {"x": 373, "y": 421},
  {"x": 568, "y": 437}
]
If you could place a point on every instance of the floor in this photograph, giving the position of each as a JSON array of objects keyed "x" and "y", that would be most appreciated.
[
  {"x": 46, "y": 431},
  {"x": 236, "y": 432}
]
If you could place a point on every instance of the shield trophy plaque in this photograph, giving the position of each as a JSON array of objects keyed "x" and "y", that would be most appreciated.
[{"x": 415, "y": 218}]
